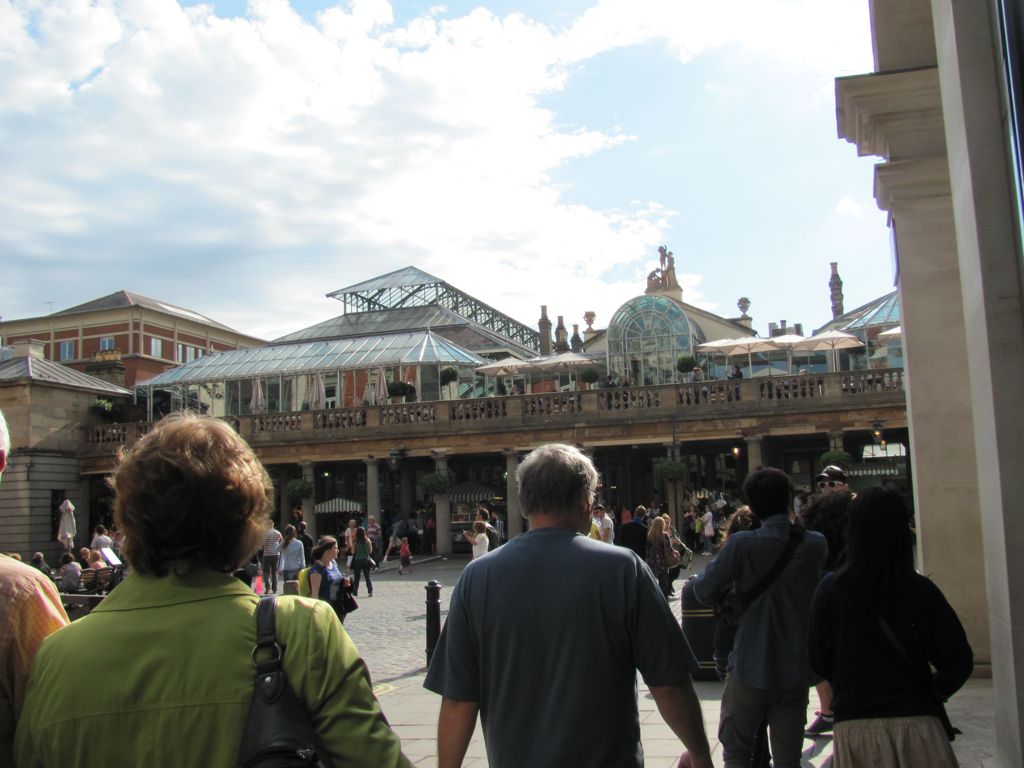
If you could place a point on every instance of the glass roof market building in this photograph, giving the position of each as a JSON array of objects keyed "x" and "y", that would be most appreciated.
[{"x": 647, "y": 335}]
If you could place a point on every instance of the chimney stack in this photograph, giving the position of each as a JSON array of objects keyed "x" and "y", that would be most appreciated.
[
  {"x": 561, "y": 336},
  {"x": 544, "y": 326},
  {"x": 835, "y": 287},
  {"x": 576, "y": 342}
]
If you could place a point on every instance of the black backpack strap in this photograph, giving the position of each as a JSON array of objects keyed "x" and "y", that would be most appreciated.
[{"x": 796, "y": 535}]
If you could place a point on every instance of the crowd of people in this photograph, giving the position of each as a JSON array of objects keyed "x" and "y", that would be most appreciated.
[{"x": 833, "y": 601}]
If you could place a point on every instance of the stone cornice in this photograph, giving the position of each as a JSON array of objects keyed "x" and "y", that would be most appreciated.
[
  {"x": 893, "y": 115},
  {"x": 906, "y": 180}
]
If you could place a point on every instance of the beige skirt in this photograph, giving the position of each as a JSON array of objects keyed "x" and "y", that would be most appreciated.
[{"x": 892, "y": 742}]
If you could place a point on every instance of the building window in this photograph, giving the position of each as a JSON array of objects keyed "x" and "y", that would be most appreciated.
[
  {"x": 106, "y": 343},
  {"x": 156, "y": 347},
  {"x": 180, "y": 356},
  {"x": 190, "y": 354},
  {"x": 67, "y": 350}
]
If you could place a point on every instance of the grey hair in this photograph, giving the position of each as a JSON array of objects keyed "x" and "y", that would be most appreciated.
[
  {"x": 5, "y": 436},
  {"x": 554, "y": 478}
]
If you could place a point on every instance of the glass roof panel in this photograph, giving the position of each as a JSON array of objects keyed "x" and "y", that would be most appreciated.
[{"x": 310, "y": 357}]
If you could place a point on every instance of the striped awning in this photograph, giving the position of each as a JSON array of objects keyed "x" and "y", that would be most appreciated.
[
  {"x": 471, "y": 491},
  {"x": 338, "y": 505}
]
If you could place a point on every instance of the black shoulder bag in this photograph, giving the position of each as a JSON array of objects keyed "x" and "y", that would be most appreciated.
[
  {"x": 901, "y": 651},
  {"x": 278, "y": 732},
  {"x": 733, "y": 604}
]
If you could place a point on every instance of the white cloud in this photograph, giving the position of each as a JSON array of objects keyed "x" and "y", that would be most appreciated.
[
  {"x": 285, "y": 157},
  {"x": 847, "y": 206}
]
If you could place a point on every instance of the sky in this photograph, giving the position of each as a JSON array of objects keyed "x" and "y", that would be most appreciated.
[{"x": 245, "y": 159}]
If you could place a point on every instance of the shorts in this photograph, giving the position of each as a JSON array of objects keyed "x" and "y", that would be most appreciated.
[{"x": 406, "y": 561}]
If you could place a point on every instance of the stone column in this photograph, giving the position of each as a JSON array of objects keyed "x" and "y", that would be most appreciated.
[
  {"x": 989, "y": 260},
  {"x": 443, "y": 507},
  {"x": 755, "y": 458},
  {"x": 308, "y": 511},
  {"x": 284, "y": 506},
  {"x": 515, "y": 524},
  {"x": 835, "y": 441},
  {"x": 372, "y": 486},
  {"x": 407, "y": 486}
]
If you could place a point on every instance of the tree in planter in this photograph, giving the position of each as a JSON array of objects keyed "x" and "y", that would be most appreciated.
[
  {"x": 590, "y": 376},
  {"x": 435, "y": 483},
  {"x": 401, "y": 389},
  {"x": 685, "y": 365},
  {"x": 841, "y": 459},
  {"x": 666, "y": 469},
  {"x": 448, "y": 377},
  {"x": 298, "y": 489}
]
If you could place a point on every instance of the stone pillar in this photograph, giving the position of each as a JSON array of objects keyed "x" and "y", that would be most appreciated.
[
  {"x": 939, "y": 414},
  {"x": 835, "y": 442},
  {"x": 443, "y": 509},
  {"x": 515, "y": 523},
  {"x": 284, "y": 506},
  {"x": 372, "y": 486},
  {"x": 308, "y": 510},
  {"x": 989, "y": 260},
  {"x": 755, "y": 458},
  {"x": 407, "y": 487}
]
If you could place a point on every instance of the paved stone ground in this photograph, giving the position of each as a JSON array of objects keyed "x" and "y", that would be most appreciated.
[{"x": 390, "y": 631}]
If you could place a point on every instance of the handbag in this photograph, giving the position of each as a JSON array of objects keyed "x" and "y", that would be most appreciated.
[
  {"x": 733, "y": 603},
  {"x": 278, "y": 732},
  {"x": 252, "y": 567}
]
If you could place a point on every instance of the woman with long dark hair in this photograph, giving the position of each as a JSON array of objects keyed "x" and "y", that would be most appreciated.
[{"x": 878, "y": 629}]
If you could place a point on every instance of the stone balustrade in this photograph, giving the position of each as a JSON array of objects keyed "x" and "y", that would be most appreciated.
[{"x": 718, "y": 399}]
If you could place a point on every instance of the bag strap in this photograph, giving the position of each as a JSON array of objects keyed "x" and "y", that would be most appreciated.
[
  {"x": 796, "y": 535},
  {"x": 268, "y": 679}
]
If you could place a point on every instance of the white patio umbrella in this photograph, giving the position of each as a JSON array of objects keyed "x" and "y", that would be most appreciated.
[
  {"x": 257, "y": 404},
  {"x": 504, "y": 367},
  {"x": 68, "y": 529},
  {"x": 718, "y": 345},
  {"x": 891, "y": 333},
  {"x": 567, "y": 362},
  {"x": 750, "y": 345},
  {"x": 381, "y": 388},
  {"x": 833, "y": 340},
  {"x": 787, "y": 342}
]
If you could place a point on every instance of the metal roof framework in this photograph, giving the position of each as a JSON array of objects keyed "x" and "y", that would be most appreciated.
[{"x": 411, "y": 287}]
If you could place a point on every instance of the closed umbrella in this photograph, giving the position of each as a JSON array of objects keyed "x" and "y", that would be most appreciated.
[
  {"x": 381, "y": 388},
  {"x": 317, "y": 391},
  {"x": 257, "y": 404},
  {"x": 68, "y": 529}
]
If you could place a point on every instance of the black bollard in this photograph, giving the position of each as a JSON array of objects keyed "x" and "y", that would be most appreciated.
[{"x": 433, "y": 588}]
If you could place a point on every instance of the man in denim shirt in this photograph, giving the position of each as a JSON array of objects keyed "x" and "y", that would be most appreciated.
[{"x": 768, "y": 673}]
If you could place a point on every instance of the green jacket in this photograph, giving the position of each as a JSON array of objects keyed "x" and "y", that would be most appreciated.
[{"x": 160, "y": 674}]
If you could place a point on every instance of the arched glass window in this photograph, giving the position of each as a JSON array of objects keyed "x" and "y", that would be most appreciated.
[{"x": 646, "y": 336}]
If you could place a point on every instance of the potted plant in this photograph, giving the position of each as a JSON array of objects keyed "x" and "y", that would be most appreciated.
[
  {"x": 435, "y": 483},
  {"x": 668, "y": 469},
  {"x": 590, "y": 376},
  {"x": 401, "y": 391},
  {"x": 298, "y": 489},
  {"x": 839, "y": 458},
  {"x": 685, "y": 365},
  {"x": 449, "y": 376}
]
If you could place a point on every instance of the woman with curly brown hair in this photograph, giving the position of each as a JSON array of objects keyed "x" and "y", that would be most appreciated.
[{"x": 193, "y": 501}]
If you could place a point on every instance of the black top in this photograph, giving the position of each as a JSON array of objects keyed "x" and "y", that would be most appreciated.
[{"x": 869, "y": 676}]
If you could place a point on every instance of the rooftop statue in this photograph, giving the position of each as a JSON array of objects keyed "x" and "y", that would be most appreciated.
[{"x": 664, "y": 277}]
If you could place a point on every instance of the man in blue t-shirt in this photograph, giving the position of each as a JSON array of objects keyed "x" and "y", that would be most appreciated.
[{"x": 544, "y": 638}]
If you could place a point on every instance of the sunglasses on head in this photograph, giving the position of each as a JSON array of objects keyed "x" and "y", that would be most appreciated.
[{"x": 830, "y": 483}]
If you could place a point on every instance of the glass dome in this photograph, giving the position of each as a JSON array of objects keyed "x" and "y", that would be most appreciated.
[{"x": 646, "y": 336}]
